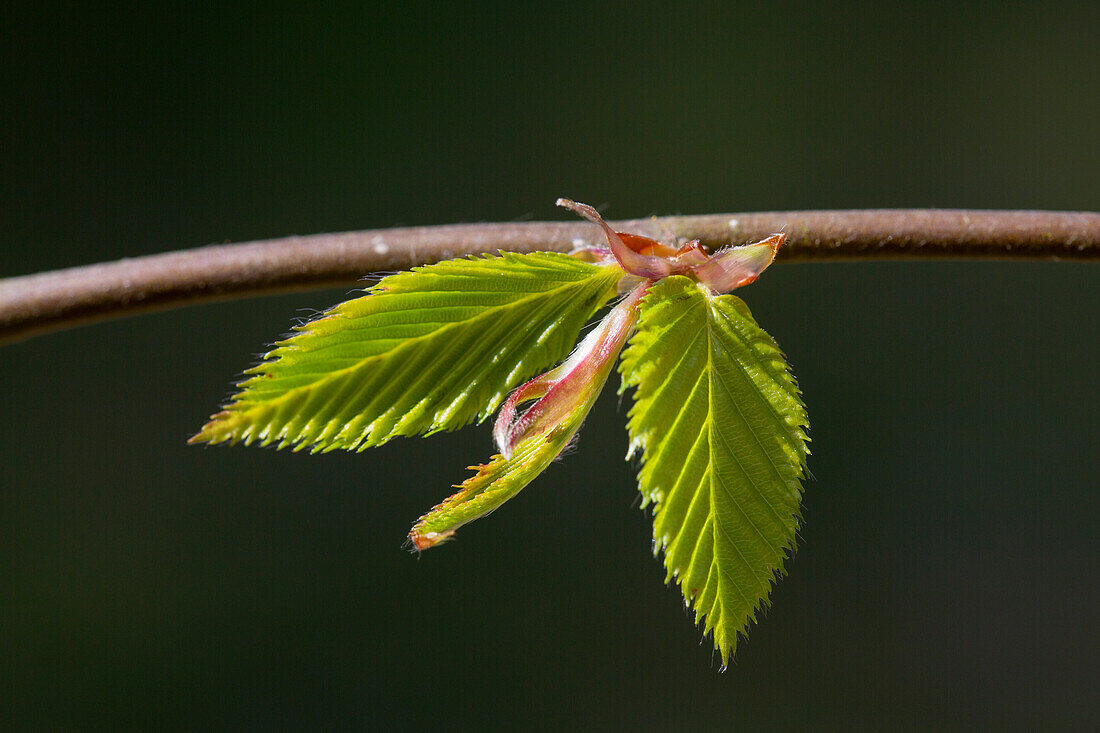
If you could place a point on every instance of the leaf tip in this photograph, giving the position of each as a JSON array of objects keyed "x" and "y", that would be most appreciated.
[
  {"x": 214, "y": 431},
  {"x": 421, "y": 541}
]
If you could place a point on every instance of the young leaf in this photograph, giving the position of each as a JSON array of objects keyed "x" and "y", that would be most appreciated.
[
  {"x": 427, "y": 350},
  {"x": 720, "y": 422},
  {"x": 493, "y": 484},
  {"x": 529, "y": 442}
]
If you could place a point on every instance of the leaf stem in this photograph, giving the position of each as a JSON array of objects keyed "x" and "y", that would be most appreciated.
[{"x": 48, "y": 301}]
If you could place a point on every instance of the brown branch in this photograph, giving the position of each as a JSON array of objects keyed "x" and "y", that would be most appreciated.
[{"x": 53, "y": 300}]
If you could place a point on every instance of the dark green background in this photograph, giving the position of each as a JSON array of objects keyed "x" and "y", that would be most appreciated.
[{"x": 947, "y": 570}]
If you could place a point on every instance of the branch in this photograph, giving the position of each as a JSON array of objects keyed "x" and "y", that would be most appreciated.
[{"x": 53, "y": 300}]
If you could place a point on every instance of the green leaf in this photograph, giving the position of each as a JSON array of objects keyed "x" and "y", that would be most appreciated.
[
  {"x": 493, "y": 484},
  {"x": 721, "y": 425},
  {"x": 427, "y": 350},
  {"x": 528, "y": 443}
]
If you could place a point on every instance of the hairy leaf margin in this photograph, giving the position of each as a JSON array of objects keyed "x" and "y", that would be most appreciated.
[
  {"x": 721, "y": 426},
  {"x": 431, "y": 349}
]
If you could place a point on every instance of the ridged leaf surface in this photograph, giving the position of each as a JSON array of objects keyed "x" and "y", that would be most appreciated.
[
  {"x": 720, "y": 423},
  {"x": 426, "y": 350}
]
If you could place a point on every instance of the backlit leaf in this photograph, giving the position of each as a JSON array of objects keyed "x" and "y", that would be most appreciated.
[
  {"x": 427, "y": 350},
  {"x": 720, "y": 423},
  {"x": 493, "y": 484}
]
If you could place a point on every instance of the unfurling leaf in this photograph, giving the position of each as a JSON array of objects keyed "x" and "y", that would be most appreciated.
[
  {"x": 529, "y": 442},
  {"x": 720, "y": 423},
  {"x": 427, "y": 350}
]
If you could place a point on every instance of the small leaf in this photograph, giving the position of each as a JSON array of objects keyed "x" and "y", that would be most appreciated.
[
  {"x": 494, "y": 483},
  {"x": 719, "y": 420},
  {"x": 427, "y": 350},
  {"x": 529, "y": 442}
]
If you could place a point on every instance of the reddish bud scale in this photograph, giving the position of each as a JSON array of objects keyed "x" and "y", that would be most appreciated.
[{"x": 725, "y": 270}]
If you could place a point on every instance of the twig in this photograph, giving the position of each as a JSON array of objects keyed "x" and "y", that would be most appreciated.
[{"x": 53, "y": 300}]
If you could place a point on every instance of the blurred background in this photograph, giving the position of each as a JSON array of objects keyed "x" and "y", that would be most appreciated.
[{"x": 946, "y": 574}]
